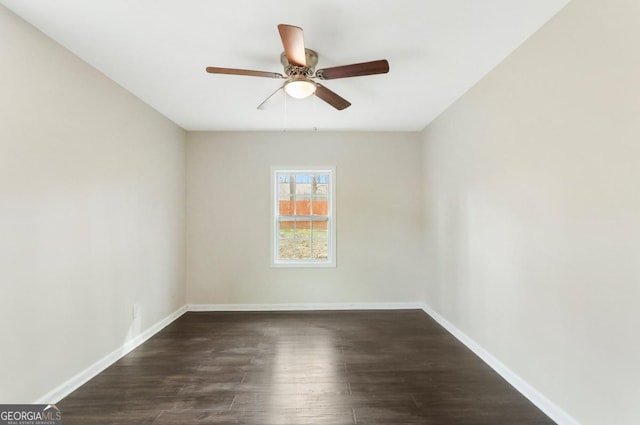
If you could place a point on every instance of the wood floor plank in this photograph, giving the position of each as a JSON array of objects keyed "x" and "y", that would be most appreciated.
[{"x": 271, "y": 368}]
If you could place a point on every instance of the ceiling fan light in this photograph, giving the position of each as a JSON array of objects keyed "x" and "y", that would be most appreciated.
[{"x": 300, "y": 89}]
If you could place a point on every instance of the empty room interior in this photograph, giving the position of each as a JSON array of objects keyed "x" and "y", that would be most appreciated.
[{"x": 443, "y": 230}]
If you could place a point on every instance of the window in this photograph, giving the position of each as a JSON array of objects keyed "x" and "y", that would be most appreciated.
[{"x": 303, "y": 217}]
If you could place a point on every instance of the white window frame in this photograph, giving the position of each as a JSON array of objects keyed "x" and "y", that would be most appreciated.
[{"x": 330, "y": 261}]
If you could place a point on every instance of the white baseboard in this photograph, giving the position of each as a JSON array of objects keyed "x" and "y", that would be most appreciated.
[
  {"x": 304, "y": 307},
  {"x": 547, "y": 406},
  {"x": 63, "y": 390}
]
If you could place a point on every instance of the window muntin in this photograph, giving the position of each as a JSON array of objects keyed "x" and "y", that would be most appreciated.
[{"x": 304, "y": 230}]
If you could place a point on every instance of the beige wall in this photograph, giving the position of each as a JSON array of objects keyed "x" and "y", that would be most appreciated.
[
  {"x": 91, "y": 214},
  {"x": 533, "y": 199},
  {"x": 378, "y": 218}
]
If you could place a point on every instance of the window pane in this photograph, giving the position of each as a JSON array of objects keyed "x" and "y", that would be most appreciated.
[
  {"x": 303, "y": 248},
  {"x": 303, "y": 239},
  {"x": 303, "y": 184},
  {"x": 303, "y": 206},
  {"x": 303, "y": 217},
  {"x": 284, "y": 189},
  {"x": 285, "y": 249},
  {"x": 319, "y": 240},
  {"x": 320, "y": 191},
  {"x": 286, "y": 207},
  {"x": 286, "y": 239},
  {"x": 320, "y": 249},
  {"x": 322, "y": 178}
]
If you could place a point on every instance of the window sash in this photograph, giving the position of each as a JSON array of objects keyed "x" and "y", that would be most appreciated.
[
  {"x": 319, "y": 188},
  {"x": 303, "y": 218}
]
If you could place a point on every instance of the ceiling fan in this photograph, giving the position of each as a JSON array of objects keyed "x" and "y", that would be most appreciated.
[{"x": 299, "y": 70}]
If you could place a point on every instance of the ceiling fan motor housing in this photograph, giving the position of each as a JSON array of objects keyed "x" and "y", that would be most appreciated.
[{"x": 311, "y": 58}]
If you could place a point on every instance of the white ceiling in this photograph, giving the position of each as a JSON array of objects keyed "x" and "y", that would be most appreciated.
[{"x": 158, "y": 50}]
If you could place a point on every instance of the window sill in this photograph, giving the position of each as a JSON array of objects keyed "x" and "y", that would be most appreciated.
[{"x": 303, "y": 265}]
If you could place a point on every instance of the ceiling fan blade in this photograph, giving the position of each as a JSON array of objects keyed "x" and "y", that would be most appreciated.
[
  {"x": 355, "y": 70},
  {"x": 248, "y": 72},
  {"x": 261, "y": 106},
  {"x": 331, "y": 98},
  {"x": 293, "y": 42}
]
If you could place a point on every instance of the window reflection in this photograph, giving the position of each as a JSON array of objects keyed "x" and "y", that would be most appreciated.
[{"x": 307, "y": 369}]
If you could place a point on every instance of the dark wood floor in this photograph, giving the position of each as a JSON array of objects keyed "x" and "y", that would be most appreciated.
[{"x": 356, "y": 367}]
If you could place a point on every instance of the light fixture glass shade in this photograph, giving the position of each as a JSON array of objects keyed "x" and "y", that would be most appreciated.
[{"x": 299, "y": 89}]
